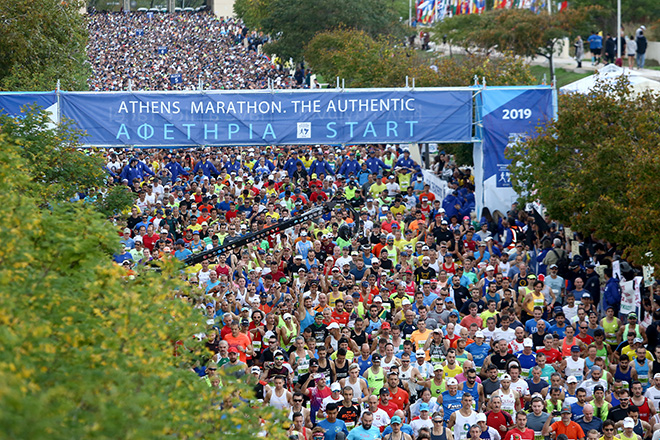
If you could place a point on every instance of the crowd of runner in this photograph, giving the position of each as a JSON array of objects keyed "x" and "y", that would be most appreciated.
[
  {"x": 152, "y": 51},
  {"x": 428, "y": 323}
]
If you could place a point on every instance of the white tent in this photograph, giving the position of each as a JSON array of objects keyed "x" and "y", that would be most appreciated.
[{"x": 611, "y": 73}]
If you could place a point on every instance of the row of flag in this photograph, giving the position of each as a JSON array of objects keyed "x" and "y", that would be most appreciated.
[{"x": 431, "y": 11}]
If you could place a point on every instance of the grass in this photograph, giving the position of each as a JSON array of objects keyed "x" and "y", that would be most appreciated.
[{"x": 563, "y": 76}]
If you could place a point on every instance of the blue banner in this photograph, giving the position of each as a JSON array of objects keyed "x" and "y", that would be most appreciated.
[
  {"x": 139, "y": 32},
  {"x": 12, "y": 102},
  {"x": 271, "y": 118},
  {"x": 161, "y": 50},
  {"x": 176, "y": 78},
  {"x": 510, "y": 114}
]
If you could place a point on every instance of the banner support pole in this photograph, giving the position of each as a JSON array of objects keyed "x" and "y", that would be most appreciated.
[{"x": 58, "y": 115}]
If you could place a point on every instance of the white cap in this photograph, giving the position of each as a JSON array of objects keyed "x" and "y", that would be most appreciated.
[
  {"x": 405, "y": 302},
  {"x": 378, "y": 298},
  {"x": 656, "y": 375},
  {"x": 505, "y": 377},
  {"x": 481, "y": 417},
  {"x": 628, "y": 422},
  {"x": 489, "y": 268},
  {"x": 335, "y": 387},
  {"x": 528, "y": 343},
  {"x": 571, "y": 379},
  {"x": 287, "y": 316},
  {"x": 479, "y": 334},
  {"x": 452, "y": 381},
  {"x": 373, "y": 260},
  {"x": 420, "y": 353},
  {"x": 333, "y": 325}
]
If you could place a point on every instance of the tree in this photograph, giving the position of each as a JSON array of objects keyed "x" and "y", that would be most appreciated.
[
  {"x": 519, "y": 31},
  {"x": 86, "y": 352},
  {"x": 595, "y": 168},
  {"x": 41, "y": 42},
  {"x": 293, "y": 23},
  {"x": 380, "y": 62},
  {"x": 640, "y": 11},
  {"x": 57, "y": 168}
]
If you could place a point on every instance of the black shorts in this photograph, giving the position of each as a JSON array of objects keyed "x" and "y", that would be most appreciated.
[{"x": 596, "y": 51}]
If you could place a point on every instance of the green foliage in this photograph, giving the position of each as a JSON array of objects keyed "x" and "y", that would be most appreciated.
[
  {"x": 497, "y": 71},
  {"x": 641, "y": 11},
  {"x": 364, "y": 61},
  {"x": 596, "y": 168},
  {"x": 519, "y": 31},
  {"x": 367, "y": 62},
  {"x": 85, "y": 351},
  {"x": 116, "y": 200},
  {"x": 57, "y": 169},
  {"x": 41, "y": 42},
  {"x": 295, "y": 22},
  {"x": 253, "y": 12}
]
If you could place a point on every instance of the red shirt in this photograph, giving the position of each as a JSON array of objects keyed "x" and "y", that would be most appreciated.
[
  {"x": 527, "y": 434},
  {"x": 551, "y": 356},
  {"x": 390, "y": 408},
  {"x": 149, "y": 241},
  {"x": 494, "y": 420},
  {"x": 400, "y": 397},
  {"x": 341, "y": 318},
  {"x": 586, "y": 339}
]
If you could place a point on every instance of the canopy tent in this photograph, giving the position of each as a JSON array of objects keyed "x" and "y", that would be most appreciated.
[{"x": 610, "y": 74}]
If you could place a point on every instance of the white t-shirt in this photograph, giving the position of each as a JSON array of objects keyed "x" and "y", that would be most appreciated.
[
  {"x": 418, "y": 424},
  {"x": 380, "y": 418},
  {"x": 653, "y": 394},
  {"x": 508, "y": 335}
]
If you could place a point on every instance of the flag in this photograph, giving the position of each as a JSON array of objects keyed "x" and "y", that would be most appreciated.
[{"x": 562, "y": 5}]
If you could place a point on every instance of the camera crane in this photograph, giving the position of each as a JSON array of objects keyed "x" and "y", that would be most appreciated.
[{"x": 345, "y": 231}]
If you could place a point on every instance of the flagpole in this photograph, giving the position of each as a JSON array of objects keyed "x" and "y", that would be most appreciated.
[{"x": 618, "y": 29}]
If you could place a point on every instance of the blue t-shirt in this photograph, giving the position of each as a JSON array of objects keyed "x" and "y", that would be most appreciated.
[
  {"x": 359, "y": 433},
  {"x": 183, "y": 254},
  {"x": 331, "y": 429},
  {"x": 478, "y": 352},
  {"x": 530, "y": 326},
  {"x": 595, "y": 41},
  {"x": 561, "y": 331}
]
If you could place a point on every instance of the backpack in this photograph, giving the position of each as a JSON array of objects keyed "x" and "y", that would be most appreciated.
[{"x": 562, "y": 262}]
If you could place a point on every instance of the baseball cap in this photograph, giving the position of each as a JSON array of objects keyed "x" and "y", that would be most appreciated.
[
  {"x": 481, "y": 417},
  {"x": 566, "y": 410},
  {"x": 424, "y": 407},
  {"x": 335, "y": 387},
  {"x": 528, "y": 343},
  {"x": 571, "y": 379},
  {"x": 479, "y": 334},
  {"x": 395, "y": 420},
  {"x": 506, "y": 377},
  {"x": 255, "y": 370},
  {"x": 384, "y": 390},
  {"x": 575, "y": 348},
  {"x": 449, "y": 299},
  {"x": 405, "y": 302},
  {"x": 319, "y": 376},
  {"x": 656, "y": 375},
  {"x": 437, "y": 367},
  {"x": 628, "y": 422},
  {"x": 420, "y": 353},
  {"x": 386, "y": 325},
  {"x": 638, "y": 340},
  {"x": 452, "y": 381},
  {"x": 489, "y": 267},
  {"x": 232, "y": 350},
  {"x": 632, "y": 315}
]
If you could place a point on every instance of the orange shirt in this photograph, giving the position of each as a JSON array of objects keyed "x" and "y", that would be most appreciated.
[
  {"x": 573, "y": 431},
  {"x": 242, "y": 340}
]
